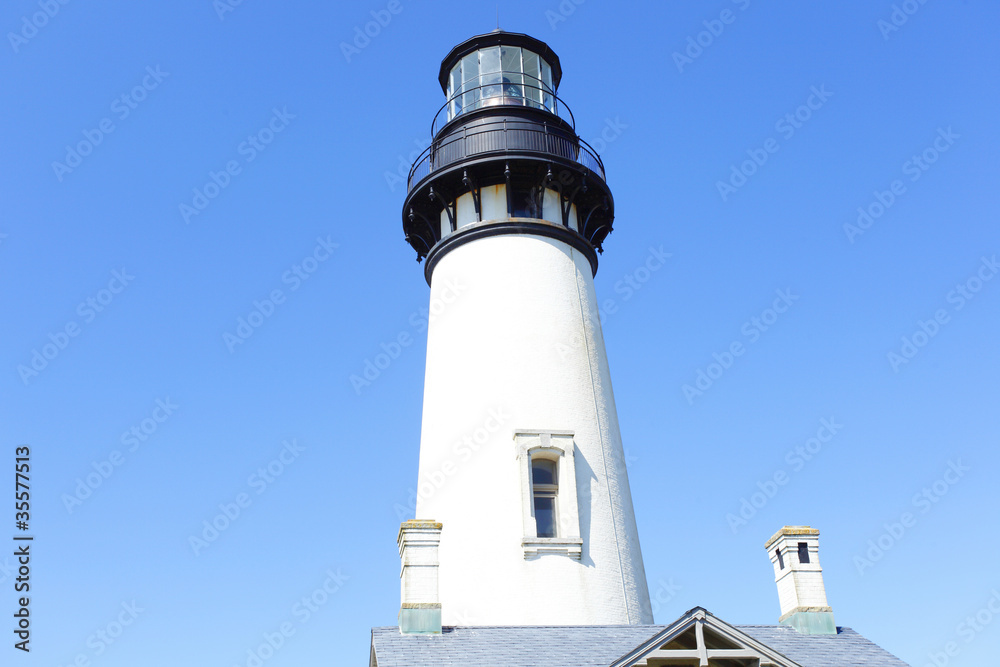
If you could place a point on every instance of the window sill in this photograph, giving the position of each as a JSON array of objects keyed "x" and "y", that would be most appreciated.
[{"x": 536, "y": 547}]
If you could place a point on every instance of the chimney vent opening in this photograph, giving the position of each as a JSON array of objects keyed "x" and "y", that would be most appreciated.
[{"x": 803, "y": 552}]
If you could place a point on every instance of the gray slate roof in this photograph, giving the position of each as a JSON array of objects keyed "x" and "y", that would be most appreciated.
[
  {"x": 845, "y": 649},
  {"x": 510, "y": 646},
  {"x": 599, "y": 645}
]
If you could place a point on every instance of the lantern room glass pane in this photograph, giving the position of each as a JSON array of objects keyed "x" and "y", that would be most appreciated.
[
  {"x": 470, "y": 70},
  {"x": 532, "y": 75},
  {"x": 547, "y": 100},
  {"x": 470, "y": 81},
  {"x": 510, "y": 63},
  {"x": 489, "y": 68},
  {"x": 510, "y": 59},
  {"x": 513, "y": 92},
  {"x": 489, "y": 60},
  {"x": 454, "y": 91}
]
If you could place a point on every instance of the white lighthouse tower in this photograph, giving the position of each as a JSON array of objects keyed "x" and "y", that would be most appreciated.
[{"x": 524, "y": 514}]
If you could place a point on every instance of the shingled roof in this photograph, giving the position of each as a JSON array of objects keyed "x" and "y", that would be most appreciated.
[
  {"x": 510, "y": 646},
  {"x": 847, "y": 648},
  {"x": 604, "y": 645}
]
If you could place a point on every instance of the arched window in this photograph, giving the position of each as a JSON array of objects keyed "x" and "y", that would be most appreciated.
[
  {"x": 550, "y": 510},
  {"x": 545, "y": 490}
]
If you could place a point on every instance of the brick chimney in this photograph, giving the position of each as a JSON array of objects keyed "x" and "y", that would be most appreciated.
[
  {"x": 420, "y": 606},
  {"x": 794, "y": 553}
]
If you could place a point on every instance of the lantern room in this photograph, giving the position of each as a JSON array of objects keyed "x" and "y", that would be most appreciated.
[
  {"x": 505, "y": 157},
  {"x": 501, "y": 74}
]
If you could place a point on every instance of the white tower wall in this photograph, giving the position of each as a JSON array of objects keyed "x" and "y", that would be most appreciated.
[{"x": 516, "y": 346}]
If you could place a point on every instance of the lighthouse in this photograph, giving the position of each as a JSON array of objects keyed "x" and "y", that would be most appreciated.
[
  {"x": 523, "y": 514},
  {"x": 524, "y": 549}
]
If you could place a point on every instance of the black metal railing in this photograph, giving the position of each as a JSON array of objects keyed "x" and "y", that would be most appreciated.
[
  {"x": 500, "y": 93},
  {"x": 501, "y": 136}
]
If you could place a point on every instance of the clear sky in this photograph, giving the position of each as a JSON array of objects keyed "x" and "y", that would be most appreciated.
[{"x": 167, "y": 167}]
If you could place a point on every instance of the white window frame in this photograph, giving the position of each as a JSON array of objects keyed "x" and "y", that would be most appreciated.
[
  {"x": 545, "y": 491},
  {"x": 555, "y": 446}
]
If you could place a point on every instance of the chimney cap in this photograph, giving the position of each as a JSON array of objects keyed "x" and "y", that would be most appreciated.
[
  {"x": 798, "y": 531},
  {"x": 421, "y": 523}
]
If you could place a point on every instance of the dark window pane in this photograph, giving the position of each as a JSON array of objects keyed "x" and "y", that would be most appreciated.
[
  {"x": 803, "y": 552},
  {"x": 524, "y": 203},
  {"x": 545, "y": 516},
  {"x": 781, "y": 561},
  {"x": 543, "y": 472}
]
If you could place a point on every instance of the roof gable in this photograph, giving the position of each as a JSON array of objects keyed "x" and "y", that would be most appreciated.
[{"x": 697, "y": 637}]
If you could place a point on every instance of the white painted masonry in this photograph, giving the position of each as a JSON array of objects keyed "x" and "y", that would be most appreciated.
[
  {"x": 418, "y": 553},
  {"x": 800, "y": 585},
  {"x": 497, "y": 346},
  {"x": 494, "y": 207}
]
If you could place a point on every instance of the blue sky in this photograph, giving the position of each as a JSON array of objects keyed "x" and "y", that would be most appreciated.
[{"x": 835, "y": 106}]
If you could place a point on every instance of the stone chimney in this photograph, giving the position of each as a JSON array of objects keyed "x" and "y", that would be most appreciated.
[
  {"x": 794, "y": 552},
  {"x": 420, "y": 606}
]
